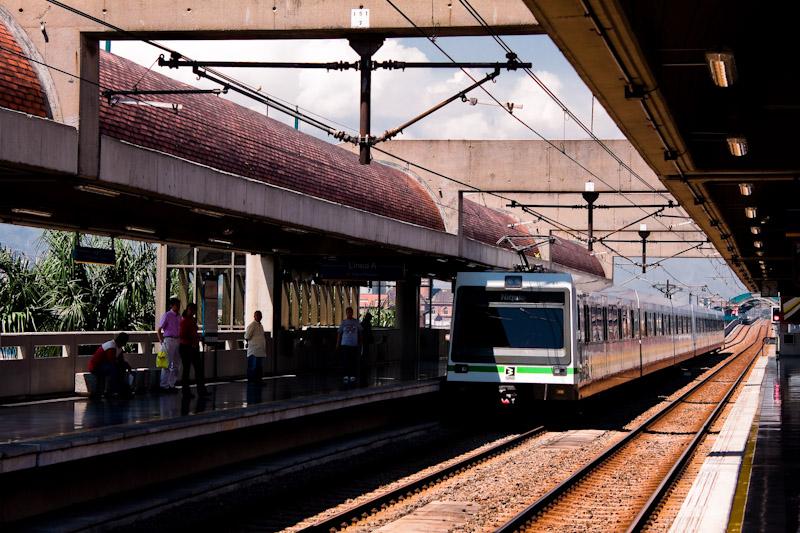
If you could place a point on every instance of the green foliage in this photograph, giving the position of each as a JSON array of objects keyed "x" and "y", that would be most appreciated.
[
  {"x": 57, "y": 294},
  {"x": 381, "y": 318}
]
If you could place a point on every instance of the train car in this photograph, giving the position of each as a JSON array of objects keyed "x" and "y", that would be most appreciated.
[{"x": 534, "y": 335}]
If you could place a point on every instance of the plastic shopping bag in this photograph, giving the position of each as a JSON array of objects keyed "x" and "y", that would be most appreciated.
[{"x": 161, "y": 359}]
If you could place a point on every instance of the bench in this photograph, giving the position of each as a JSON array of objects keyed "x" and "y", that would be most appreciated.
[{"x": 86, "y": 382}]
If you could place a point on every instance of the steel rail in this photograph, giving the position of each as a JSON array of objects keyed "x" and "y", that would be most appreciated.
[
  {"x": 346, "y": 517},
  {"x": 518, "y": 522},
  {"x": 674, "y": 473}
]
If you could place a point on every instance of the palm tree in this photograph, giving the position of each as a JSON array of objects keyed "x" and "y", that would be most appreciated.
[{"x": 57, "y": 294}]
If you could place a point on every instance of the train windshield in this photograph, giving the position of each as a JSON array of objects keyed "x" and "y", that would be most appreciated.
[{"x": 487, "y": 320}]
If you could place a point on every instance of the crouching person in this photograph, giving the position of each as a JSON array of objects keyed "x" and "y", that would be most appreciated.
[{"x": 108, "y": 365}]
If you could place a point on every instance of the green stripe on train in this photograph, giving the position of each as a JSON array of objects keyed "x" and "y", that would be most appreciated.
[{"x": 520, "y": 369}]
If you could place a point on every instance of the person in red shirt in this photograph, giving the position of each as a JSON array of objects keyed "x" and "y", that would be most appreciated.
[
  {"x": 189, "y": 349},
  {"x": 107, "y": 362}
]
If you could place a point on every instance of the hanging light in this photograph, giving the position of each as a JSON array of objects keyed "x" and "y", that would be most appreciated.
[
  {"x": 722, "y": 67},
  {"x": 737, "y": 146},
  {"x": 746, "y": 189},
  {"x": 758, "y": 244},
  {"x": 755, "y": 230},
  {"x": 750, "y": 212}
]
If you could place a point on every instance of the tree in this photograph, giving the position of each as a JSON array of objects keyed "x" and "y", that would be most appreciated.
[{"x": 57, "y": 294}]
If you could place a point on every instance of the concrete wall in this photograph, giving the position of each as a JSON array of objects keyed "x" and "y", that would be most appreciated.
[{"x": 31, "y": 376}]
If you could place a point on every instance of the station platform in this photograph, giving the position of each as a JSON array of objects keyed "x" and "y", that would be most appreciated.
[
  {"x": 773, "y": 496},
  {"x": 45, "y": 445}
]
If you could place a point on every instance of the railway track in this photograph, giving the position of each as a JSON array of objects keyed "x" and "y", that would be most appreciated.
[
  {"x": 353, "y": 514},
  {"x": 621, "y": 487}
]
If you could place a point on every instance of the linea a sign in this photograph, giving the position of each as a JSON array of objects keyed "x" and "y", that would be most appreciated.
[
  {"x": 362, "y": 270},
  {"x": 94, "y": 256}
]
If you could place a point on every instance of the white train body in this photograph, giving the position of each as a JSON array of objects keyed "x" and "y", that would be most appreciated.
[{"x": 535, "y": 332}]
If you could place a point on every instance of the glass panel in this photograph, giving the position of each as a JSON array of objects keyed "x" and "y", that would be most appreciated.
[
  {"x": 181, "y": 285},
  {"x": 239, "y": 259},
  {"x": 485, "y": 321},
  {"x": 213, "y": 257},
  {"x": 180, "y": 255},
  {"x": 224, "y": 298}
]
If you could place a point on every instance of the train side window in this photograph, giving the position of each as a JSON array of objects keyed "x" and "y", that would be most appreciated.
[
  {"x": 597, "y": 325},
  {"x": 605, "y": 323},
  {"x": 634, "y": 323},
  {"x": 626, "y": 323},
  {"x": 659, "y": 325},
  {"x": 587, "y": 324},
  {"x": 620, "y": 326},
  {"x": 646, "y": 326}
]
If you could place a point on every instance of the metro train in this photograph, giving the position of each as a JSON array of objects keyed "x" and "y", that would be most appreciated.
[{"x": 534, "y": 336}]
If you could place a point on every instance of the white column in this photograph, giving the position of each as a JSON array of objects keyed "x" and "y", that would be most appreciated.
[{"x": 260, "y": 289}]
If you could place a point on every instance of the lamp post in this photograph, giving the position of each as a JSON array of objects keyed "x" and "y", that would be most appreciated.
[
  {"x": 644, "y": 234},
  {"x": 590, "y": 196}
]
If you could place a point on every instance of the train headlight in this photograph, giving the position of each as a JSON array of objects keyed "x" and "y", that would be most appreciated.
[
  {"x": 559, "y": 371},
  {"x": 461, "y": 369}
]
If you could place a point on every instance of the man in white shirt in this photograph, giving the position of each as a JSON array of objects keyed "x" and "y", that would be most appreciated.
[
  {"x": 256, "y": 348},
  {"x": 348, "y": 342}
]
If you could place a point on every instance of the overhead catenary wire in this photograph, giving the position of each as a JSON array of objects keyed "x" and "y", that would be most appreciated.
[
  {"x": 258, "y": 95},
  {"x": 515, "y": 117}
]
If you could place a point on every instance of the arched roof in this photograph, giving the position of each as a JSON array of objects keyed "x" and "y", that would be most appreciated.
[
  {"x": 575, "y": 256},
  {"x": 224, "y": 135},
  {"x": 20, "y": 87},
  {"x": 489, "y": 225}
]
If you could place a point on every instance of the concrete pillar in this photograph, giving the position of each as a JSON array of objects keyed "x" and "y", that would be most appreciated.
[
  {"x": 407, "y": 312},
  {"x": 260, "y": 289},
  {"x": 89, "y": 130},
  {"x": 162, "y": 283}
]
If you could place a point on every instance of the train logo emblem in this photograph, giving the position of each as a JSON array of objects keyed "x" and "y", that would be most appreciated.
[{"x": 511, "y": 371}]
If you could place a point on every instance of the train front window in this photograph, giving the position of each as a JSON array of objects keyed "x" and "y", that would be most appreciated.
[{"x": 487, "y": 322}]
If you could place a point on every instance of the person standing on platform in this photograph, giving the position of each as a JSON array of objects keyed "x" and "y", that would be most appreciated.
[
  {"x": 108, "y": 363},
  {"x": 348, "y": 343},
  {"x": 367, "y": 340},
  {"x": 256, "y": 348},
  {"x": 169, "y": 328},
  {"x": 189, "y": 349}
]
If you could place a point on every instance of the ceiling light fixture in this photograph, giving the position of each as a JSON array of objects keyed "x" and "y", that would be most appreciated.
[
  {"x": 722, "y": 67},
  {"x": 750, "y": 212},
  {"x": 139, "y": 229},
  {"x": 755, "y": 230},
  {"x": 758, "y": 244},
  {"x": 759, "y": 253},
  {"x": 32, "y": 212},
  {"x": 746, "y": 189},
  {"x": 737, "y": 146},
  {"x": 98, "y": 190},
  {"x": 208, "y": 212},
  {"x": 220, "y": 241}
]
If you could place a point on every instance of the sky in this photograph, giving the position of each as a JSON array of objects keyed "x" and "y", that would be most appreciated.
[{"x": 399, "y": 95}]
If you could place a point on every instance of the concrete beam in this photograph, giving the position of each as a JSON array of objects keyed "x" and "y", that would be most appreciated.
[
  {"x": 183, "y": 181},
  {"x": 37, "y": 142},
  {"x": 239, "y": 19}
]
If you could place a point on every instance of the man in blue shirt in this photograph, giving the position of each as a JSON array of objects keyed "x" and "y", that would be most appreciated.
[{"x": 348, "y": 343}]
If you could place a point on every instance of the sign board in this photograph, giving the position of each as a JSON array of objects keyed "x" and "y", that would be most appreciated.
[
  {"x": 769, "y": 289},
  {"x": 359, "y": 18},
  {"x": 208, "y": 314},
  {"x": 94, "y": 256},
  {"x": 366, "y": 269}
]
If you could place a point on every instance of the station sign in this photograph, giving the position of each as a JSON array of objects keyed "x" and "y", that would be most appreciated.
[
  {"x": 94, "y": 256},
  {"x": 365, "y": 269},
  {"x": 359, "y": 18}
]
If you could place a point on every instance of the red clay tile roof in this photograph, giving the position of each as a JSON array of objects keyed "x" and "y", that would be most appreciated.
[
  {"x": 221, "y": 134},
  {"x": 20, "y": 88},
  {"x": 575, "y": 256},
  {"x": 489, "y": 225}
]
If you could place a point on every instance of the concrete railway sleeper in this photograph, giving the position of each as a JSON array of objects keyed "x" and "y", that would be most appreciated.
[
  {"x": 609, "y": 492},
  {"x": 363, "y": 510}
]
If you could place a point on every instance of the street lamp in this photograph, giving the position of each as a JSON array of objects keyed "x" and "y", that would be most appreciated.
[
  {"x": 644, "y": 234},
  {"x": 590, "y": 196}
]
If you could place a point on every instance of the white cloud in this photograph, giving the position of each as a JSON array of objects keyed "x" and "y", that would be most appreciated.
[{"x": 396, "y": 95}]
